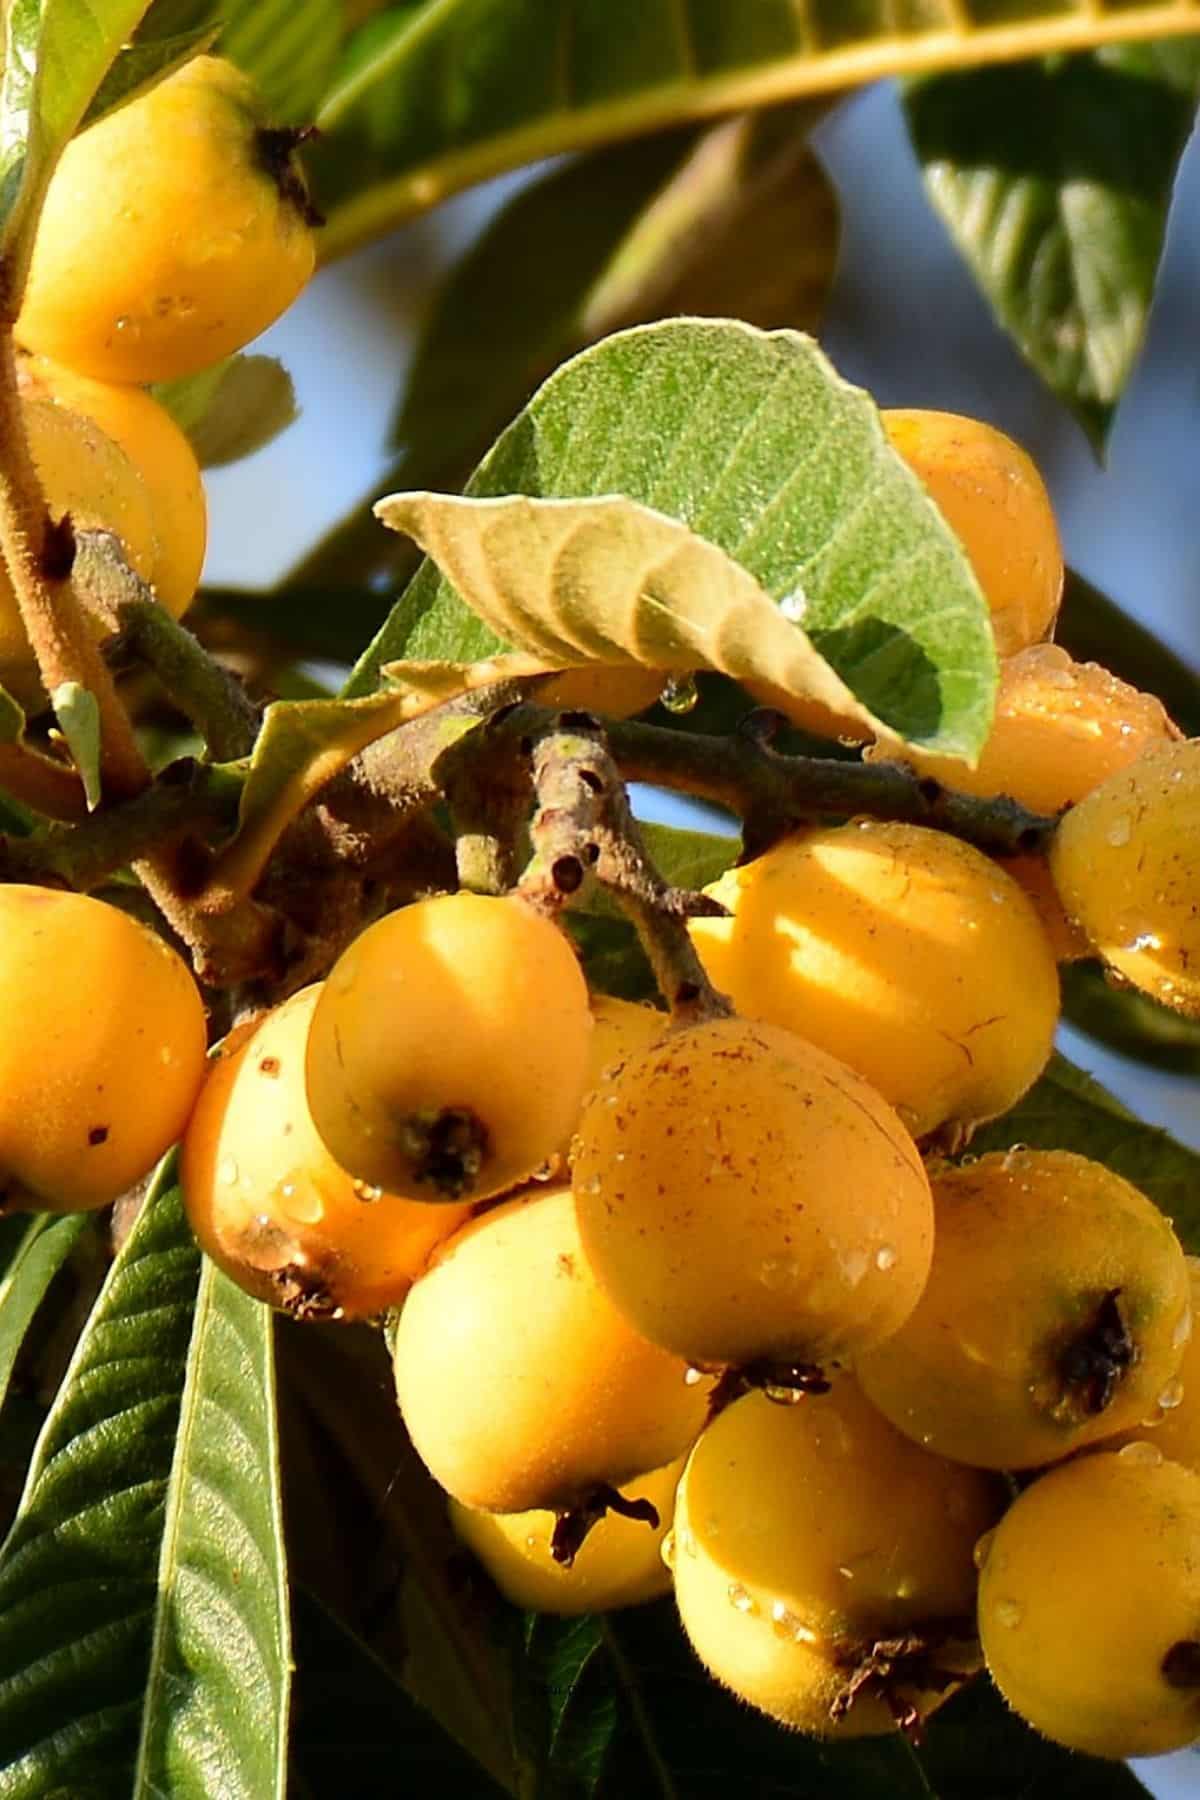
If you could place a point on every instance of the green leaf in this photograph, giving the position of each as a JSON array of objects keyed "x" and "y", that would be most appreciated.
[
  {"x": 1067, "y": 1110},
  {"x": 1129, "y": 1022},
  {"x": 216, "y": 1702},
  {"x": 290, "y": 47},
  {"x": 1054, "y": 180},
  {"x": 140, "y": 65},
  {"x": 689, "y": 859},
  {"x": 55, "y": 54},
  {"x": 79, "y": 1570},
  {"x": 433, "y": 98},
  {"x": 78, "y": 717},
  {"x": 232, "y": 409},
  {"x": 609, "y": 581},
  {"x": 44, "y": 1244},
  {"x": 754, "y": 443},
  {"x": 1094, "y": 629}
]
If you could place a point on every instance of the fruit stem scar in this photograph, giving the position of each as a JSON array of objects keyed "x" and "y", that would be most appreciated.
[{"x": 573, "y": 1523}]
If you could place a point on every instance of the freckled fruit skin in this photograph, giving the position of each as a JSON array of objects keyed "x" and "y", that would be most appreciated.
[
  {"x": 271, "y": 1206},
  {"x": 87, "y": 476},
  {"x": 520, "y": 1383},
  {"x": 742, "y": 1195},
  {"x": 989, "y": 492},
  {"x": 162, "y": 457},
  {"x": 619, "y": 1027},
  {"x": 165, "y": 242},
  {"x": 805, "y": 1534},
  {"x": 1088, "y": 1601},
  {"x": 104, "y": 1053},
  {"x": 1028, "y": 1244},
  {"x": 1124, "y": 862},
  {"x": 619, "y": 1564},
  {"x": 459, "y": 1006},
  {"x": 1061, "y": 728},
  {"x": 908, "y": 954}
]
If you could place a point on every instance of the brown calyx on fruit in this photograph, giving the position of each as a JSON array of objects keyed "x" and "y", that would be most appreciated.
[
  {"x": 1094, "y": 1362},
  {"x": 446, "y": 1149},
  {"x": 573, "y": 1523},
  {"x": 276, "y": 145}
]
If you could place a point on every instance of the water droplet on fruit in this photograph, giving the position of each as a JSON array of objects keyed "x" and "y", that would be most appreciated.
[
  {"x": 693, "y": 1377},
  {"x": 983, "y": 1549},
  {"x": 679, "y": 693},
  {"x": 885, "y": 1258},
  {"x": 228, "y": 1171},
  {"x": 366, "y": 1191},
  {"x": 1148, "y": 1455},
  {"x": 1171, "y": 1396},
  {"x": 740, "y": 1600},
  {"x": 1120, "y": 831},
  {"x": 1008, "y": 1614},
  {"x": 793, "y": 606},
  {"x": 667, "y": 1550}
]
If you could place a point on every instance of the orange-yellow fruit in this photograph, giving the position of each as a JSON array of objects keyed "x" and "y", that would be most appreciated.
[
  {"x": 162, "y": 457},
  {"x": 908, "y": 954},
  {"x": 619, "y": 1027},
  {"x": 743, "y": 1196},
  {"x": 1055, "y": 1314},
  {"x": 102, "y": 1052},
  {"x": 1061, "y": 728},
  {"x": 520, "y": 1383},
  {"x": 989, "y": 492},
  {"x": 1172, "y": 1426},
  {"x": 1124, "y": 861},
  {"x": 448, "y": 1053},
  {"x": 808, "y": 1536},
  {"x": 620, "y": 1562},
  {"x": 173, "y": 232},
  {"x": 88, "y": 478},
  {"x": 1089, "y": 1606},
  {"x": 271, "y": 1206}
]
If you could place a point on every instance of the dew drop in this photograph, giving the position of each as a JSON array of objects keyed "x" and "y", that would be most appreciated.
[
  {"x": 1147, "y": 1455},
  {"x": 679, "y": 693},
  {"x": 365, "y": 1191},
  {"x": 983, "y": 1549},
  {"x": 667, "y": 1550},
  {"x": 846, "y": 1573},
  {"x": 693, "y": 1377},
  {"x": 1120, "y": 831},
  {"x": 228, "y": 1171},
  {"x": 793, "y": 606},
  {"x": 885, "y": 1258},
  {"x": 1008, "y": 1614},
  {"x": 740, "y": 1600},
  {"x": 1171, "y": 1396}
]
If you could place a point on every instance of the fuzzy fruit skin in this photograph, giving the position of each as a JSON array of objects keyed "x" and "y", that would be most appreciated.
[
  {"x": 1027, "y": 1245},
  {"x": 1124, "y": 864},
  {"x": 162, "y": 457},
  {"x": 520, "y": 1383},
  {"x": 804, "y": 1534},
  {"x": 903, "y": 951},
  {"x": 165, "y": 242},
  {"x": 270, "y": 1205},
  {"x": 619, "y": 1564},
  {"x": 465, "y": 1003},
  {"x": 742, "y": 1195},
  {"x": 1172, "y": 1426},
  {"x": 989, "y": 492},
  {"x": 87, "y": 476},
  {"x": 1091, "y": 1579},
  {"x": 110, "y": 1039}
]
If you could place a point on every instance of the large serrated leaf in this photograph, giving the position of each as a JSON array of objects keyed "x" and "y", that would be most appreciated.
[
  {"x": 608, "y": 581},
  {"x": 55, "y": 54},
  {"x": 216, "y": 1704},
  {"x": 752, "y": 441},
  {"x": 1068, "y": 1110},
  {"x": 79, "y": 1570},
  {"x": 1054, "y": 180},
  {"x": 38, "y": 1253},
  {"x": 432, "y": 98}
]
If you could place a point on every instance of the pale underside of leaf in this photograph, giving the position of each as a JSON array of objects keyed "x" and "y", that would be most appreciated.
[
  {"x": 611, "y": 581},
  {"x": 461, "y": 89}
]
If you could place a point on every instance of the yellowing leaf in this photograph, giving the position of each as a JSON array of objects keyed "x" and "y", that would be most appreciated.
[{"x": 610, "y": 581}]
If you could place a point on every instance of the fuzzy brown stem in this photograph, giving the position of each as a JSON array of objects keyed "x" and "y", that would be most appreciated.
[{"x": 39, "y": 555}]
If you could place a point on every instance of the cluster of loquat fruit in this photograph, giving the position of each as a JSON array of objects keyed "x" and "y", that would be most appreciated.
[{"x": 709, "y": 1301}]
